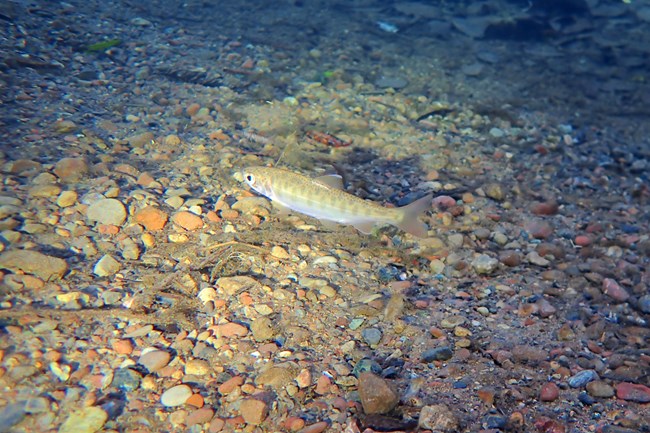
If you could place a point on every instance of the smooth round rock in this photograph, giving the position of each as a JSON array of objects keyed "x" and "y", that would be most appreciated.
[
  {"x": 176, "y": 395},
  {"x": 107, "y": 211},
  {"x": 154, "y": 360}
]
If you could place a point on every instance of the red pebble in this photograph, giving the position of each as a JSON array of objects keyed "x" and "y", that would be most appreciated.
[
  {"x": 582, "y": 240},
  {"x": 548, "y": 425},
  {"x": 612, "y": 289},
  {"x": 549, "y": 392},
  {"x": 633, "y": 392},
  {"x": 548, "y": 208},
  {"x": 444, "y": 201}
]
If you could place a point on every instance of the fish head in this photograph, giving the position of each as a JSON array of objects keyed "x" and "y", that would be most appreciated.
[{"x": 258, "y": 179}]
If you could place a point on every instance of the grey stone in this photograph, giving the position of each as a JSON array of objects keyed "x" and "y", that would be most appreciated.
[{"x": 107, "y": 211}]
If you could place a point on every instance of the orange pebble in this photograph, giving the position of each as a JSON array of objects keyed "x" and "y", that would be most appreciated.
[{"x": 196, "y": 400}]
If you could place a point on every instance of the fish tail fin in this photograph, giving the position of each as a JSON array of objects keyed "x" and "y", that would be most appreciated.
[{"x": 410, "y": 214}]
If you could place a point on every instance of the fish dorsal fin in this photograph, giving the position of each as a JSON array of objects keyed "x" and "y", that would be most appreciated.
[{"x": 332, "y": 180}]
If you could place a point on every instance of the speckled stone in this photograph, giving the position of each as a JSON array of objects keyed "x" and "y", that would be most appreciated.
[{"x": 438, "y": 417}]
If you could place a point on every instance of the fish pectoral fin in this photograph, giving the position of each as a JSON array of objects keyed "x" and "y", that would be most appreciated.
[
  {"x": 332, "y": 180},
  {"x": 365, "y": 227},
  {"x": 329, "y": 225},
  {"x": 282, "y": 210}
]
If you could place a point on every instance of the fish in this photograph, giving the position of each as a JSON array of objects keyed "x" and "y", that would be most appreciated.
[
  {"x": 323, "y": 198},
  {"x": 388, "y": 27}
]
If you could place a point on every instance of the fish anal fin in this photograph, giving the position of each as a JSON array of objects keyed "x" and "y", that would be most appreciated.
[
  {"x": 365, "y": 227},
  {"x": 410, "y": 214},
  {"x": 332, "y": 180}
]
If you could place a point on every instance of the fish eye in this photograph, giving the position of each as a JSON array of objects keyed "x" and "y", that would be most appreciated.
[{"x": 250, "y": 178}]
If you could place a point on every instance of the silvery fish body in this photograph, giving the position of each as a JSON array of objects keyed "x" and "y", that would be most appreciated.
[{"x": 324, "y": 199}]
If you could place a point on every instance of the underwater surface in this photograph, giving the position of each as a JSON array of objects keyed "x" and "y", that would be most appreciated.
[{"x": 325, "y": 216}]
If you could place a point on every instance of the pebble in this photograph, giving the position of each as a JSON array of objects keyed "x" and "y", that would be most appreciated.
[
  {"x": 33, "y": 262},
  {"x": 176, "y": 396},
  {"x": 123, "y": 347},
  {"x": 377, "y": 397},
  {"x": 199, "y": 416},
  {"x": 371, "y": 336},
  {"x": 126, "y": 379},
  {"x": 546, "y": 208},
  {"x": 539, "y": 229},
  {"x": 582, "y": 378},
  {"x": 366, "y": 365},
  {"x": 233, "y": 285},
  {"x": 44, "y": 191},
  {"x": 510, "y": 258},
  {"x": 600, "y": 389},
  {"x": 85, "y": 420},
  {"x": 451, "y": 322},
  {"x": 534, "y": 258},
  {"x": 229, "y": 386},
  {"x": 612, "y": 289},
  {"x": 141, "y": 139},
  {"x": 317, "y": 427},
  {"x": 473, "y": 70},
  {"x": 263, "y": 329},
  {"x": 582, "y": 241},
  {"x": 437, "y": 354},
  {"x": 10, "y": 415},
  {"x": 644, "y": 304},
  {"x": 151, "y": 218},
  {"x": 67, "y": 198},
  {"x": 495, "y": 421},
  {"x": 154, "y": 360},
  {"x": 633, "y": 392},
  {"x": 438, "y": 417},
  {"x": 544, "y": 308},
  {"x": 198, "y": 367},
  {"x": 436, "y": 266},
  {"x": 484, "y": 264},
  {"x": 549, "y": 392},
  {"x": 216, "y": 425},
  {"x": 529, "y": 354},
  {"x": 187, "y": 220},
  {"x": 294, "y": 423},
  {"x": 253, "y": 411},
  {"x": 279, "y": 253},
  {"x": 231, "y": 329},
  {"x": 107, "y": 211},
  {"x": 71, "y": 169},
  {"x": 106, "y": 266},
  {"x": 494, "y": 191}
]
